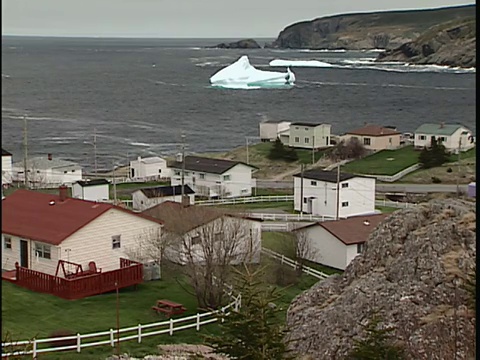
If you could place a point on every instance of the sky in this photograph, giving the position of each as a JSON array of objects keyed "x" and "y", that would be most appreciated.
[{"x": 181, "y": 18}]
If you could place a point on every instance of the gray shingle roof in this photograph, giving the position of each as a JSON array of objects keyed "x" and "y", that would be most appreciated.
[
  {"x": 5, "y": 153},
  {"x": 85, "y": 183},
  {"x": 208, "y": 165},
  {"x": 161, "y": 191},
  {"x": 327, "y": 176}
]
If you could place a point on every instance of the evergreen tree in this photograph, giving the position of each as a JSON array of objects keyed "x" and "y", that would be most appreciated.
[
  {"x": 435, "y": 156},
  {"x": 254, "y": 332},
  {"x": 290, "y": 155},
  {"x": 277, "y": 151},
  {"x": 377, "y": 344}
]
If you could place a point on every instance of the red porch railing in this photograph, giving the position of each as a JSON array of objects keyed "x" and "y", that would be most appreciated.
[{"x": 130, "y": 273}]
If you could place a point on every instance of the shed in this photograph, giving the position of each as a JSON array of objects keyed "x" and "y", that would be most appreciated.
[{"x": 93, "y": 190}]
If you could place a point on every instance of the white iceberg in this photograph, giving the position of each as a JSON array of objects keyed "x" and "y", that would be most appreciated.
[
  {"x": 299, "y": 63},
  {"x": 242, "y": 75}
]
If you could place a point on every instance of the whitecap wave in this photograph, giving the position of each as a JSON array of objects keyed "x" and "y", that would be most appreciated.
[
  {"x": 322, "y": 50},
  {"x": 208, "y": 63},
  {"x": 139, "y": 144},
  {"x": 299, "y": 63},
  {"x": 5, "y": 76}
]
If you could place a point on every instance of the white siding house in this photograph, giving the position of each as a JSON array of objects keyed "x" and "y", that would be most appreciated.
[
  {"x": 336, "y": 243},
  {"x": 6, "y": 167},
  {"x": 452, "y": 136},
  {"x": 147, "y": 169},
  {"x": 146, "y": 198},
  {"x": 40, "y": 229},
  {"x": 214, "y": 177},
  {"x": 357, "y": 194},
  {"x": 307, "y": 136},
  {"x": 93, "y": 190},
  {"x": 192, "y": 226},
  {"x": 270, "y": 130},
  {"x": 47, "y": 172}
]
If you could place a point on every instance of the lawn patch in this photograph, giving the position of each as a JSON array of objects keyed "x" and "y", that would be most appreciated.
[{"x": 384, "y": 162}]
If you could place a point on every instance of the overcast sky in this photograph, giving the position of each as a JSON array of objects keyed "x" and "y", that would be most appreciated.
[{"x": 180, "y": 18}]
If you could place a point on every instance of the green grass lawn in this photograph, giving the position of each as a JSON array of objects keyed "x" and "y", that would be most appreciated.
[
  {"x": 463, "y": 155},
  {"x": 26, "y": 314},
  {"x": 283, "y": 243},
  {"x": 263, "y": 192},
  {"x": 385, "y": 162},
  {"x": 304, "y": 155},
  {"x": 282, "y": 205}
]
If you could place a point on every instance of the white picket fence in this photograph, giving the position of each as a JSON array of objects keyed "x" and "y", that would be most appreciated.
[
  {"x": 282, "y": 227},
  {"x": 112, "y": 336},
  {"x": 296, "y": 265},
  {"x": 246, "y": 200}
]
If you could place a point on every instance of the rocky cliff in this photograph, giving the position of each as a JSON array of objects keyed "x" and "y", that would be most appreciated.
[
  {"x": 411, "y": 272},
  {"x": 452, "y": 43},
  {"x": 384, "y": 30}
]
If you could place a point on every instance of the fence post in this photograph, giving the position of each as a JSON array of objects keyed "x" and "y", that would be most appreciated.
[
  {"x": 282, "y": 259},
  {"x": 34, "y": 350},
  {"x": 171, "y": 326},
  {"x": 139, "y": 333},
  {"x": 111, "y": 338},
  {"x": 79, "y": 343},
  {"x": 198, "y": 321},
  {"x": 223, "y": 314}
]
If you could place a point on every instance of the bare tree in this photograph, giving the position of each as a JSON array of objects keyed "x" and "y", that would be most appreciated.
[
  {"x": 208, "y": 242},
  {"x": 304, "y": 249},
  {"x": 350, "y": 149}
]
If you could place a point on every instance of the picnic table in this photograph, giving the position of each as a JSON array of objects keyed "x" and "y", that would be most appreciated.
[{"x": 169, "y": 308}]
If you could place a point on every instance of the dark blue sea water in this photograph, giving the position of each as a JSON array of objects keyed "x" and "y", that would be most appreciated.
[{"x": 69, "y": 87}]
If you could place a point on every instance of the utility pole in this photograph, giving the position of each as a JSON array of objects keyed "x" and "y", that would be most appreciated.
[
  {"x": 301, "y": 189},
  {"x": 313, "y": 149},
  {"x": 118, "y": 318},
  {"x": 114, "y": 186},
  {"x": 458, "y": 166},
  {"x": 95, "y": 150},
  {"x": 183, "y": 169},
  {"x": 25, "y": 151},
  {"x": 337, "y": 215},
  {"x": 246, "y": 140}
]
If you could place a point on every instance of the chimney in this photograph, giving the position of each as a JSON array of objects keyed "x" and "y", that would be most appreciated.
[
  {"x": 49, "y": 156},
  {"x": 63, "y": 193},
  {"x": 442, "y": 124}
]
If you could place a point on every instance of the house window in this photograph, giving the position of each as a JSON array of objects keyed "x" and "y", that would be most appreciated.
[
  {"x": 296, "y": 127},
  {"x": 177, "y": 173},
  {"x": 7, "y": 242},
  {"x": 360, "y": 248},
  {"x": 297, "y": 139},
  {"x": 73, "y": 170},
  {"x": 38, "y": 171},
  {"x": 422, "y": 137},
  {"x": 201, "y": 176},
  {"x": 116, "y": 244},
  {"x": 196, "y": 240},
  {"x": 159, "y": 171},
  {"x": 42, "y": 251},
  {"x": 442, "y": 138},
  {"x": 226, "y": 177},
  {"x": 366, "y": 141},
  {"x": 305, "y": 200},
  {"x": 313, "y": 183},
  {"x": 344, "y": 185},
  {"x": 344, "y": 203},
  {"x": 65, "y": 171},
  {"x": 390, "y": 140},
  {"x": 306, "y": 129},
  {"x": 307, "y": 140},
  {"x": 187, "y": 173}
]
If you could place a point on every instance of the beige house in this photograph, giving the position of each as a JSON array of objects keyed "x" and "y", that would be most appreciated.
[
  {"x": 308, "y": 136},
  {"x": 196, "y": 232},
  {"x": 337, "y": 243},
  {"x": 375, "y": 137},
  {"x": 40, "y": 229},
  {"x": 452, "y": 136}
]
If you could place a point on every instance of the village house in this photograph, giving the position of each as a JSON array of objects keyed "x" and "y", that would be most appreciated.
[
  {"x": 197, "y": 230},
  {"x": 336, "y": 243},
  {"x": 214, "y": 178},
  {"x": 46, "y": 171},
  {"x": 319, "y": 191},
  {"x": 40, "y": 229},
  {"x": 375, "y": 137},
  {"x": 148, "y": 169},
  {"x": 146, "y": 198},
  {"x": 308, "y": 136},
  {"x": 452, "y": 136},
  {"x": 6, "y": 168},
  {"x": 92, "y": 190},
  {"x": 270, "y": 130}
]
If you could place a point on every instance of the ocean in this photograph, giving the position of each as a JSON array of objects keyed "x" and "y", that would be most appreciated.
[{"x": 139, "y": 95}]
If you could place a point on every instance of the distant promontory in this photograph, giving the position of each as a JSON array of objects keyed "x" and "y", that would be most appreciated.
[{"x": 241, "y": 44}]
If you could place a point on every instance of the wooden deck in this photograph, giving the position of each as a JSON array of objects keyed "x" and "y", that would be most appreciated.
[{"x": 130, "y": 273}]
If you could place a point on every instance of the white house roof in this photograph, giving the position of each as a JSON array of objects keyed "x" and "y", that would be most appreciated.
[
  {"x": 42, "y": 162},
  {"x": 152, "y": 160}
]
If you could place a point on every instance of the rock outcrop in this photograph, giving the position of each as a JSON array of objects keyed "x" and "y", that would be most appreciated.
[
  {"x": 452, "y": 43},
  {"x": 241, "y": 44},
  {"x": 385, "y": 30},
  {"x": 411, "y": 272}
]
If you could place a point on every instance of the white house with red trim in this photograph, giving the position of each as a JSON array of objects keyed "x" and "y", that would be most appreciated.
[
  {"x": 336, "y": 243},
  {"x": 40, "y": 229}
]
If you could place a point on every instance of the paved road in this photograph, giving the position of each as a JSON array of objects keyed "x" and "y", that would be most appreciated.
[{"x": 411, "y": 188}]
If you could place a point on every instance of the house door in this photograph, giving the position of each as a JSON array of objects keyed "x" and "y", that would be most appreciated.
[
  {"x": 24, "y": 253},
  {"x": 310, "y": 205}
]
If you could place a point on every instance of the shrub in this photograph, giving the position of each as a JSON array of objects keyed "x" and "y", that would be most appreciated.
[
  {"x": 449, "y": 170},
  {"x": 62, "y": 333},
  {"x": 436, "y": 180}
]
